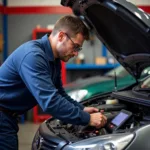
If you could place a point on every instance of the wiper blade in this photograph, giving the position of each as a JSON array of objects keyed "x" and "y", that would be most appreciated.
[
  {"x": 138, "y": 88},
  {"x": 143, "y": 89},
  {"x": 141, "y": 93}
]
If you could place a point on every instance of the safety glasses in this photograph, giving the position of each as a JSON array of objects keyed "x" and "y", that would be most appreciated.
[{"x": 77, "y": 47}]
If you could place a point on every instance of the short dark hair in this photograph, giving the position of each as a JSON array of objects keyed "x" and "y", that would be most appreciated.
[{"x": 73, "y": 25}]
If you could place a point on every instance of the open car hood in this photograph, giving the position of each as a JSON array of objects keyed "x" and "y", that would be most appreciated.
[{"x": 121, "y": 26}]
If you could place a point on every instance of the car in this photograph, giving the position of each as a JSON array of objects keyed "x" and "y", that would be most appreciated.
[
  {"x": 84, "y": 88},
  {"x": 125, "y": 31}
]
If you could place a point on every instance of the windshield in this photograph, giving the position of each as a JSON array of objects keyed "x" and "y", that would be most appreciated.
[
  {"x": 120, "y": 72},
  {"x": 145, "y": 72},
  {"x": 145, "y": 82}
]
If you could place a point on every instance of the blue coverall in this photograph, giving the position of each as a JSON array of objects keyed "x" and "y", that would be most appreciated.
[{"x": 32, "y": 75}]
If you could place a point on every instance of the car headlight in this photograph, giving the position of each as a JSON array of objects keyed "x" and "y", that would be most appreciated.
[
  {"x": 78, "y": 95},
  {"x": 107, "y": 142}
]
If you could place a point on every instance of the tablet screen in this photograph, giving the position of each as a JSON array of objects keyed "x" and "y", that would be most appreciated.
[{"x": 119, "y": 118}]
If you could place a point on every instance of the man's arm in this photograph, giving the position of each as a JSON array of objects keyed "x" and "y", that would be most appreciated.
[{"x": 34, "y": 71}]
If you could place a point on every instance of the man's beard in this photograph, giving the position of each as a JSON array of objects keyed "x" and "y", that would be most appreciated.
[{"x": 65, "y": 58}]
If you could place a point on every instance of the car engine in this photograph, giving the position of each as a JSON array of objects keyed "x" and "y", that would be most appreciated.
[{"x": 118, "y": 101}]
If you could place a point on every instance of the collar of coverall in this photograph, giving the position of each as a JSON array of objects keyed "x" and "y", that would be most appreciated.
[{"x": 47, "y": 47}]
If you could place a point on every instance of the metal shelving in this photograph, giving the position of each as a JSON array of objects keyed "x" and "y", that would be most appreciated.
[{"x": 90, "y": 66}]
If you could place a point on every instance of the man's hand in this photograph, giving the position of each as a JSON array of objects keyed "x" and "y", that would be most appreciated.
[
  {"x": 90, "y": 110},
  {"x": 98, "y": 120}
]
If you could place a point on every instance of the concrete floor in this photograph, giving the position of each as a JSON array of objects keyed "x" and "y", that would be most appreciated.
[{"x": 26, "y": 134}]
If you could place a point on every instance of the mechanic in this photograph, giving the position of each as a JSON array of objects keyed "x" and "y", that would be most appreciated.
[{"x": 31, "y": 75}]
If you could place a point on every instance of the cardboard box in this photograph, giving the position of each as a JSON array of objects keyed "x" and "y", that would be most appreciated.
[{"x": 101, "y": 60}]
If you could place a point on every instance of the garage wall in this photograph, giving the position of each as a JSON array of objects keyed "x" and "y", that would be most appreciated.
[
  {"x": 57, "y": 2},
  {"x": 1, "y": 29},
  {"x": 20, "y": 25},
  {"x": 33, "y": 2},
  {"x": 140, "y": 2},
  {"x": 25, "y": 23},
  {"x": 20, "y": 30},
  {"x": 1, "y": 23}
]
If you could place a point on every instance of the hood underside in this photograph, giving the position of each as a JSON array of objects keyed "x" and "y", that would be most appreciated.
[{"x": 122, "y": 27}]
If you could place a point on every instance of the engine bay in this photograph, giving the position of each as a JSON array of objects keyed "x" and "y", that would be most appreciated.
[{"x": 123, "y": 115}]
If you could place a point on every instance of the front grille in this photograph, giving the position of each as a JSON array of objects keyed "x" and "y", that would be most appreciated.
[
  {"x": 45, "y": 139},
  {"x": 41, "y": 143},
  {"x": 47, "y": 144}
]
